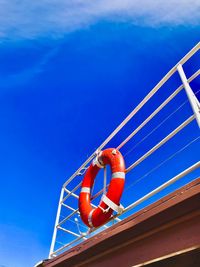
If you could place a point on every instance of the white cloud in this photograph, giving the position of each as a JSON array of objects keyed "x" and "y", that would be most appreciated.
[{"x": 30, "y": 19}]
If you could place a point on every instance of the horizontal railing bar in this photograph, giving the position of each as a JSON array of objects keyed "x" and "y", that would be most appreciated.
[
  {"x": 70, "y": 192},
  {"x": 60, "y": 243},
  {"x": 136, "y": 109},
  {"x": 79, "y": 169},
  {"x": 68, "y": 231},
  {"x": 76, "y": 196},
  {"x": 162, "y": 142},
  {"x": 76, "y": 187},
  {"x": 157, "y": 110},
  {"x": 65, "y": 246},
  {"x": 68, "y": 207},
  {"x": 78, "y": 223},
  {"x": 163, "y": 186},
  {"x": 191, "y": 78},
  {"x": 66, "y": 218}
]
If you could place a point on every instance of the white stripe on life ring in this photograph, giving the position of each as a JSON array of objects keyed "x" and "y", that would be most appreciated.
[
  {"x": 85, "y": 190},
  {"x": 118, "y": 175}
]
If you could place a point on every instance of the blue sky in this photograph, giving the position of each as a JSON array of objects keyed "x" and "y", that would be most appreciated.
[{"x": 70, "y": 71}]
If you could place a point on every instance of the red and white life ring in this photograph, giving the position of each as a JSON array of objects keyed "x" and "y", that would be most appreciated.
[{"x": 94, "y": 217}]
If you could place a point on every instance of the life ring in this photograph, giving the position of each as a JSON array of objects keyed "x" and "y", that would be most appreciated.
[{"x": 94, "y": 217}]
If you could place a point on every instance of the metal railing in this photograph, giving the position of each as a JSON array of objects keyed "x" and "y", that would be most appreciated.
[{"x": 67, "y": 193}]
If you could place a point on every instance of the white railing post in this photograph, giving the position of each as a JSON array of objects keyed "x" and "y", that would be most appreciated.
[
  {"x": 56, "y": 223},
  {"x": 191, "y": 96}
]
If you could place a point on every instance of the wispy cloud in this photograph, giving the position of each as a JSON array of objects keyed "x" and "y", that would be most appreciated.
[
  {"x": 22, "y": 76},
  {"x": 30, "y": 19}
]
